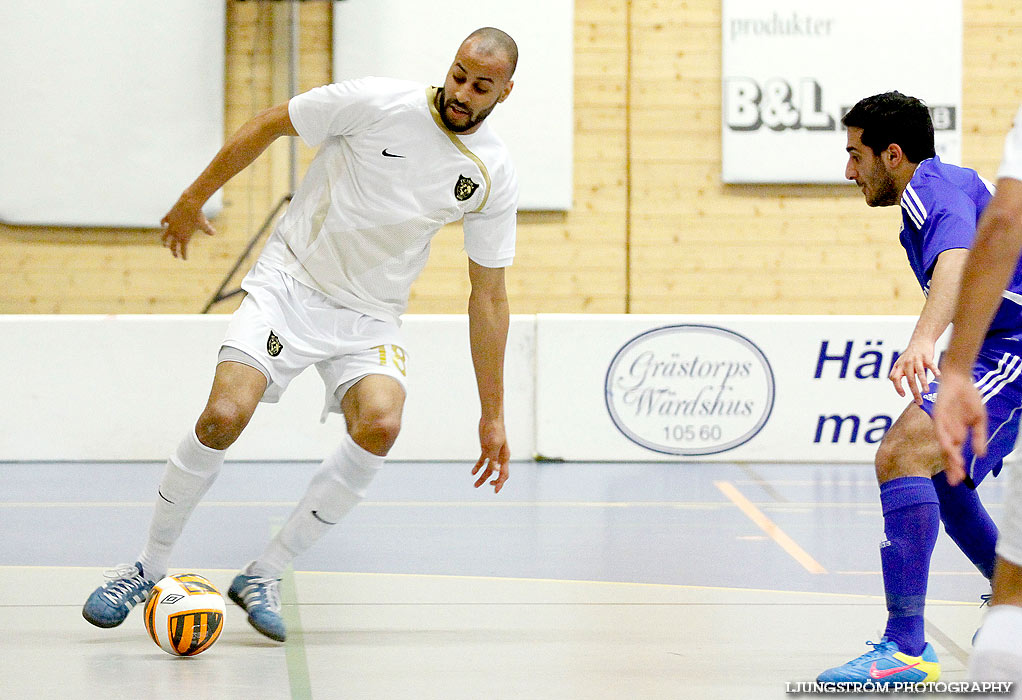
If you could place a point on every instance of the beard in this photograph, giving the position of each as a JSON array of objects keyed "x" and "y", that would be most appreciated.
[
  {"x": 885, "y": 193},
  {"x": 442, "y": 104}
]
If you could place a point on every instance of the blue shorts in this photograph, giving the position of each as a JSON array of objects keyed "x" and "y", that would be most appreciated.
[{"x": 998, "y": 376}]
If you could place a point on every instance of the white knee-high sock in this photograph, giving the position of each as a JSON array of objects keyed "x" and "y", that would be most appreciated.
[
  {"x": 338, "y": 486},
  {"x": 997, "y": 654},
  {"x": 190, "y": 471}
]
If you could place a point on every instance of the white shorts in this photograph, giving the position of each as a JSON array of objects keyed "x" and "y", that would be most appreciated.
[
  {"x": 1009, "y": 539},
  {"x": 282, "y": 327}
]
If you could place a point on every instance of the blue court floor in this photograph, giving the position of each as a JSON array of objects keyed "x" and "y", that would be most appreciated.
[{"x": 591, "y": 580}]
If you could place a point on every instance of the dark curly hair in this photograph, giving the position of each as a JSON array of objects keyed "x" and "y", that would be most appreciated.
[{"x": 894, "y": 118}]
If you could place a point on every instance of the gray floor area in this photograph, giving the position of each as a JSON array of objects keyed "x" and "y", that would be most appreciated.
[{"x": 577, "y": 581}]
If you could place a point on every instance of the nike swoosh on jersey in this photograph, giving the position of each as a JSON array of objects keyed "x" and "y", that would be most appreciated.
[
  {"x": 876, "y": 673},
  {"x": 391, "y": 155}
]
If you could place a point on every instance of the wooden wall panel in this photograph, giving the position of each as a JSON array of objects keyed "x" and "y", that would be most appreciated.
[{"x": 647, "y": 189}]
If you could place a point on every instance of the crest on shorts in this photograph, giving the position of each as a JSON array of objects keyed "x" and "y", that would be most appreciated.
[
  {"x": 465, "y": 188},
  {"x": 273, "y": 345}
]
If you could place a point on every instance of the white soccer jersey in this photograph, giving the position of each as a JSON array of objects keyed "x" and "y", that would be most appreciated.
[
  {"x": 387, "y": 177},
  {"x": 1011, "y": 165}
]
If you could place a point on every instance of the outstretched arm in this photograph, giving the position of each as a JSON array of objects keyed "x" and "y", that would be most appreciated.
[
  {"x": 933, "y": 321},
  {"x": 989, "y": 267},
  {"x": 488, "y": 319},
  {"x": 243, "y": 147}
]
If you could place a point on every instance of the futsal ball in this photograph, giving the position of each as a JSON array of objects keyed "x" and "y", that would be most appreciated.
[{"x": 184, "y": 614}]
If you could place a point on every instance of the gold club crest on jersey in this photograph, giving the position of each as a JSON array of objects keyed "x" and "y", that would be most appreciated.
[
  {"x": 273, "y": 345},
  {"x": 465, "y": 188}
]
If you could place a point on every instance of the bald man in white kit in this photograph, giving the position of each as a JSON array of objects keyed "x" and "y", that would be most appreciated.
[{"x": 397, "y": 161}]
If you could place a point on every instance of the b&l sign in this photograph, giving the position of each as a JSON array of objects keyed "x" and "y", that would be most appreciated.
[{"x": 792, "y": 68}]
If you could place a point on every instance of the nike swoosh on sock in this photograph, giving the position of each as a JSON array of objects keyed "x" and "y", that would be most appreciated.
[{"x": 325, "y": 522}]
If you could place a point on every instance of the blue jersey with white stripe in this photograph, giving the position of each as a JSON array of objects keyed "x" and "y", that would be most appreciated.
[{"x": 939, "y": 211}]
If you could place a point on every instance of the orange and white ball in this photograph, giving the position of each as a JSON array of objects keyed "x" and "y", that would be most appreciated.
[{"x": 184, "y": 614}]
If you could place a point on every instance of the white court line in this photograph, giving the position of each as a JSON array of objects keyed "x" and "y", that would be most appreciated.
[
  {"x": 522, "y": 579},
  {"x": 826, "y": 594},
  {"x": 466, "y": 577}
]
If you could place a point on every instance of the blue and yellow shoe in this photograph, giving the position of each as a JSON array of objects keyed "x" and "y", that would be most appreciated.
[{"x": 886, "y": 664}]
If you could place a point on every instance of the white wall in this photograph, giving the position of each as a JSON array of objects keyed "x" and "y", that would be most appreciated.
[
  {"x": 586, "y": 387},
  {"x": 110, "y": 108},
  {"x": 128, "y": 387}
]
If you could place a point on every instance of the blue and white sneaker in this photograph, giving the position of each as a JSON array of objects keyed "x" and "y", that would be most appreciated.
[
  {"x": 110, "y": 603},
  {"x": 886, "y": 664},
  {"x": 260, "y": 598}
]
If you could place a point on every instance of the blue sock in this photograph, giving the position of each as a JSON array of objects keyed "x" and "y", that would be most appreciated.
[
  {"x": 967, "y": 522},
  {"x": 911, "y": 521}
]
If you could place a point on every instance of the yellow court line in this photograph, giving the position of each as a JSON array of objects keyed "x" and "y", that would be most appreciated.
[
  {"x": 766, "y": 525},
  {"x": 632, "y": 584},
  {"x": 384, "y": 504},
  {"x": 588, "y": 582},
  {"x": 787, "y": 506}
]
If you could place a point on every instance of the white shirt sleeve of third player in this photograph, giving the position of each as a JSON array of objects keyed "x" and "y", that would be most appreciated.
[{"x": 1011, "y": 165}]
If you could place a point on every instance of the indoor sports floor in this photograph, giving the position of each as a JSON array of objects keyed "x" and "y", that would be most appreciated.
[{"x": 584, "y": 581}]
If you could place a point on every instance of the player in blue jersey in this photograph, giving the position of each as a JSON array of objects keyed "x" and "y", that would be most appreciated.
[{"x": 891, "y": 157}]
